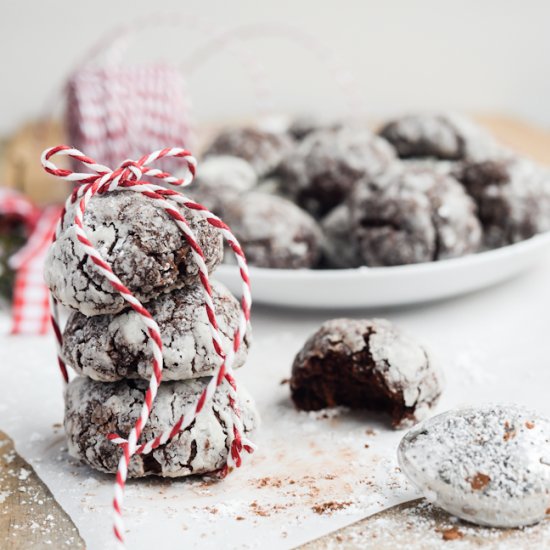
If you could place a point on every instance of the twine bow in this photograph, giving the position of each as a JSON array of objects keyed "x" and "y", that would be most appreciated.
[{"x": 128, "y": 176}]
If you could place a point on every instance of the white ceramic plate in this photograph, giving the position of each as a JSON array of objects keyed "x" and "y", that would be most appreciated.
[{"x": 387, "y": 286}]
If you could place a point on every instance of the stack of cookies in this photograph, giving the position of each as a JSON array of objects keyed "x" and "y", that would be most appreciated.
[{"x": 106, "y": 343}]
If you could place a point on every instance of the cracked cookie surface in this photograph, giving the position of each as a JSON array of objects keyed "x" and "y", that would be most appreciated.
[
  {"x": 220, "y": 179},
  {"x": 274, "y": 232},
  {"x": 412, "y": 215},
  {"x": 261, "y": 148},
  {"x": 112, "y": 347},
  {"x": 95, "y": 409},
  {"x": 512, "y": 196},
  {"x": 365, "y": 364},
  {"x": 445, "y": 136},
  {"x": 321, "y": 170},
  {"x": 141, "y": 243}
]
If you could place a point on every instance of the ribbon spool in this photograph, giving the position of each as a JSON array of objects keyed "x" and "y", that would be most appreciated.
[{"x": 117, "y": 112}]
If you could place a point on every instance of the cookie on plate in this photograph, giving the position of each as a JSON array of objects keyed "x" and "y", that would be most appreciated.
[
  {"x": 512, "y": 196},
  {"x": 365, "y": 364},
  {"x": 489, "y": 465},
  {"x": 219, "y": 179},
  {"x": 320, "y": 171},
  {"x": 445, "y": 136},
  {"x": 262, "y": 148},
  {"x": 141, "y": 242},
  {"x": 412, "y": 215},
  {"x": 93, "y": 410},
  {"x": 112, "y": 347},
  {"x": 274, "y": 232}
]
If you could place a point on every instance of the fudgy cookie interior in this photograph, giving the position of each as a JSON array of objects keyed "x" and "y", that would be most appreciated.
[{"x": 352, "y": 381}]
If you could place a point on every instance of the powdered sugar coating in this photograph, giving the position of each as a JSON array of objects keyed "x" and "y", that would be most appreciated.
[
  {"x": 112, "y": 347},
  {"x": 220, "y": 179},
  {"x": 513, "y": 198},
  {"x": 94, "y": 409},
  {"x": 142, "y": 244},
  {"x": 489, "y": 465},
  {"x": 410, "y": 215},
  {"x": 274, "y": 232},
  {"x": 368, "y": 364},
  {"x": 440, "y": 135},
  {"x": 262, "y": 148},
  {"x": 226, "y": 173},
  {"x": 323, "y": 167}
]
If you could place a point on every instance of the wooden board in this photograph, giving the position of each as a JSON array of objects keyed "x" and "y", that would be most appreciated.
[
  {"x": 521, "y": 136},
  {"x": 29, "y": 515}
]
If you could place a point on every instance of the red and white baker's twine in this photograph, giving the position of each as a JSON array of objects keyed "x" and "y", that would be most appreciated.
[{"x": 128, "y": 177}]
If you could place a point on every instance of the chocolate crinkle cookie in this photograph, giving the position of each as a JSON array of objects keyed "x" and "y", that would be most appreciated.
[
  {"x": 407, "y": 216},
  {"x": 512, "y": 196},
  {"x": 443, "y": 136},
  {"x": 142, "y": 244},
  {"x": 219, "y": 179},
  {"x": 263, "y": 149},
  {"x": 322, "y": 168},
  {"x": 93, "y": 410},
  {"x": 365, "y": 364},
  {"x": 112, "y": 347},
  {"x": 274, "y": 232}
]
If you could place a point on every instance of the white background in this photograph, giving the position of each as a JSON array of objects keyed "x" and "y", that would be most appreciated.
[{"x": 489, "y": 56}]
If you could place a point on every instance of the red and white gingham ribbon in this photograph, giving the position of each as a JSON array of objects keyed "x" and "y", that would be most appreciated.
[
  {"x": 117, "y": 112},
  {"x": 129, "y": 177},
  {"x": 30, "y": 296},
  {"x": 30, "y": 309}
]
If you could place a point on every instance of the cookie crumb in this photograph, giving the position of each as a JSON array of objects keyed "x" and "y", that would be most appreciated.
[
  {"x": 258, "y": 510},
  {"x": 452, "y": 533},
  {"x": 330, "y": 506},
  {"x": 479, "y": 481},
  {"x": 269, "y": 482}
]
